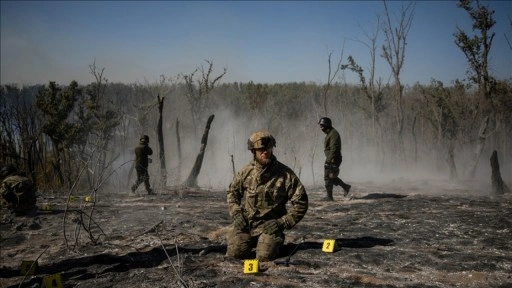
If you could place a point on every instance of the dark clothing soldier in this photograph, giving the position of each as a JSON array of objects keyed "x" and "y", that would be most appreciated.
[
  {"x": 18, "y": 193},
  {"x": 257, "y": 199},
  {"x": 142, "y": 151},
  {"x": 333, "y": 158}
]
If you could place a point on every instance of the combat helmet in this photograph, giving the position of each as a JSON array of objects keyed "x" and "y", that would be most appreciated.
[
  {"x": 326, "y": 122},
  {"x": 8, "y": 170},
  {"x": 261, "y": 139},
  {"x": 144, "y": 139}
]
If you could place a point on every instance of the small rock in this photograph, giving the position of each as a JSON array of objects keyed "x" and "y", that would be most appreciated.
[
  {"x": 19, "y": 226},
  {"x": 34, "y": 226}
]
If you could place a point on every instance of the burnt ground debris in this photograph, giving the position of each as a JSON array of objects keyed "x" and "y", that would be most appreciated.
[{"x": 396, "y": 234}]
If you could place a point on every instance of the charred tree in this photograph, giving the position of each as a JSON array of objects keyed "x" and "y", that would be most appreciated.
[
  {"x": 198, "y": 91},
  {"x": 498, "y": 186},
  {"x": 482, "y": 136},
  {"x": 477, "y": 50},
  {"x": 192, "y": 177},
  {"x": 178, "y": 144},
  {"x": 163, "y": 170},
  {"x": 233, "y": 165},
  {"x": 450, "y": 159},
  {"x": 393, "y": 51}
]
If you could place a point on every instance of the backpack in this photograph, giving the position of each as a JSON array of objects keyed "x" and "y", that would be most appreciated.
[{"x": 18, "y": 194}]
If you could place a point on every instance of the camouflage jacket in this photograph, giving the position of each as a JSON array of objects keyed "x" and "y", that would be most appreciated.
[
  {"x": 18, "y": 194},
  {"x": 332, "y": 147},
  {"x": 142, "y": 152},
  {"x": 262, "y": 193}
]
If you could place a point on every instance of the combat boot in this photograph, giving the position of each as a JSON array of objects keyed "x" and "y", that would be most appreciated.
[
  {"x": 132, "y": 192},
  {"x": 346, "y": 188},
  {"x": 328, "y": 197}
]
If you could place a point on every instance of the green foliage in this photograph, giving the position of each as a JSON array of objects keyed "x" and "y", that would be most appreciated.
[
  {"x": 257, "y": 94},
  {"x": 375, "y": 97},
  {"x": 84, "y": 125},
  {"x": 57, "y": 105},
  {"x": 503, "y": 103},
  {"x": 441, "y": 109},
  {"x": 100, "y": 113},
  {"x": 476, "y": 48}
]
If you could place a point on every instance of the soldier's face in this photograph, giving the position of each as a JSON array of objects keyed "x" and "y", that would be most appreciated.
[{"x": 262, "y": 155}]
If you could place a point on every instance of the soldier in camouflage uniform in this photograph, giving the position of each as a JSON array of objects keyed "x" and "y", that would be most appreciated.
[
  {"x": 257, "y": 199},
  {"x": 18, "y": 193},
  {"x": 142, "y": 151},
  {"x": 333, "y": 158}
]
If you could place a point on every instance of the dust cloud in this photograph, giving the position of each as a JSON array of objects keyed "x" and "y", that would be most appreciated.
[{"x": 300, "y": 146}]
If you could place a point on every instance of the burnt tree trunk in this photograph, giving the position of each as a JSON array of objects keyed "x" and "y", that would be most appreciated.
[
  {"x": 498, "y": 186},
  {"x": 163, "y": 170},
  {"x": 480, "y": 146},
  {"x": 130, "y": 174},
  {"x": 450, "y": 159},
  {"x": 192, "y": 177},
  {"x": 178, "y": 144},
  {"x": 414, "y": 138},
  {"x": 233, "y": 165}
]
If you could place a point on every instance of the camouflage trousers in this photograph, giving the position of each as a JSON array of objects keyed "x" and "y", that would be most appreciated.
[
  {"x": 241, "y": 244},
  {"x": 142, "y": 177},
  {"x": 331, "y": 178}
]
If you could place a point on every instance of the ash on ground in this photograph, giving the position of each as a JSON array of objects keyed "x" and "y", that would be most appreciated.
[{"x": 397, "y": 234}]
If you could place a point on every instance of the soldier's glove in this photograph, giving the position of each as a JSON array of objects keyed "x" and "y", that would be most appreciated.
[
  {"x": 240, "y": 222},
  {"x": 273, "y": 226}
]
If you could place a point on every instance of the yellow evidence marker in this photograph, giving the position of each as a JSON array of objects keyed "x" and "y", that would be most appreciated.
[
  {"x": 28, "y": 267},
  {"x": 328, "y": 246},
  {"x": 45, "y": 207},
  {"x": 52, "y": 281},
  {"x": 251, "y": 266}
]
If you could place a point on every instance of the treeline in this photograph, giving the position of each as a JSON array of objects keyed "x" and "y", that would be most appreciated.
[{"x": 74, "y": 135}]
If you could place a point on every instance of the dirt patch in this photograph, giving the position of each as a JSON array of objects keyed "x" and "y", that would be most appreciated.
[{"x": 398, "y": 234}]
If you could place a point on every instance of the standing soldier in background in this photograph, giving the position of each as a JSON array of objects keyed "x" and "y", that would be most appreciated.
[
  {"x": 142, "y": 151},
  {"x": 333, "y": 158},
  {"x": 257, "y": 199},
  {"x": 18, "y": 193}
]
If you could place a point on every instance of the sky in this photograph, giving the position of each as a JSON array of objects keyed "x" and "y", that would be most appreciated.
[{"x": 259, "y": 41}]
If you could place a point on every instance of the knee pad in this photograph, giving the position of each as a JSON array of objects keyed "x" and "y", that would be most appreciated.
[
  {"x": 268, "y": 246},
  {"x": 240, "y": 244}
]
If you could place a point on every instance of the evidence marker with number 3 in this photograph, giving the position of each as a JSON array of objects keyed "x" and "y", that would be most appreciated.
[{"x": 251, "y": 266}]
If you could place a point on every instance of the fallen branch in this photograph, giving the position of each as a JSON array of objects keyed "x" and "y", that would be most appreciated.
[
  {"x": 178, "y": 274},
  {"x": 33, "y": 263},
  {"x": 152, "y": 229},
  {"x": 213, "y": 248}
]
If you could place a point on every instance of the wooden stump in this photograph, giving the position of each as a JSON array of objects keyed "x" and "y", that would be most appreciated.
[
  {"x": 192, "y": 177},
  {"x": 498, "y": 186}
]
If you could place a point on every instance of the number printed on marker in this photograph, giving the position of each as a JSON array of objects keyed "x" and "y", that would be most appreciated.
[
  {"x": 328, "y": 246},
  {"x": 251, "y": 266}
]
